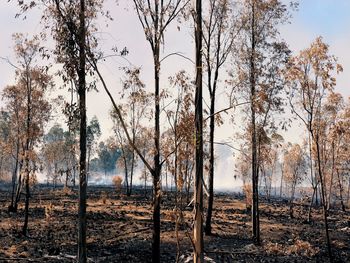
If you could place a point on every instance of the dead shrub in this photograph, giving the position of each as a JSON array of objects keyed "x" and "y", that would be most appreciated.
[
  {"x": 302, "y": 248},
  {"x": 248, "y": 195},
  {"x": 274, "y": 248},
  {"x": 67, "y": 191},
  {"x": 103, "y": 197},
  {"x": 117, "y": 181},
  {"x": 49, "y": 211}
]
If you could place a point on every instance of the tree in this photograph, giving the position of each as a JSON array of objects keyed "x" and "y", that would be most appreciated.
[
  {"x": 32, "y": 109},
  {"x": 134, "y": 112},
  {"x": 177, "y": 140},
  {"x": 261, "y": 57},
  {"x": 93, "y": 132},
  {"x": 294, "y": 169},
  {"x": 155, "y": 18},
  {"x": 218, "y": 38},
  {"x": 6, "y": 149},
  {"x": 54, "y": 152},
  {"x": 198, "y": 183},
  {"x": 105, "y": 155},
  {"x": 311, "y": 76}
]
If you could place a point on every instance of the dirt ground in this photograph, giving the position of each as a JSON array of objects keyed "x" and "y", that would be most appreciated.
[{"x": 120, "y": 230}]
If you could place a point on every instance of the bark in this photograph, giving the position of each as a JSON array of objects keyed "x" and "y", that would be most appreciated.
[
  {"x": 255, "y": 168},
  {"x": 27, "y": 147},
  {"x": 207, "y": 228},
  {"x": 331, "y": 180},
  {"x": 323, "y": 197},
  {"x": 82, "y": 254},
  {"x": 131, "y": 172},
  {"x": 281, "y": 186},
  {"x": 340, "y": 191},
  {"x": 291, "y": 201},
  {"x": 88, "y": 163},
  {"x": 26, "y": 207},
  {"x": 157, "y": 164},
  {"x": 14, "y": 179},
  {"x": 19, "y": 186},
  {"x": 198, "y": 189}
]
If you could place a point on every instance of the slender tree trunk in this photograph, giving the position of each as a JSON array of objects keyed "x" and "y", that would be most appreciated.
[
  {"x": 198, "y": 189},
  {"x": 255, "y": 168},
  {"x": 66, "y": 181},
  {"x": 311, "y": 203},
  {"x": 126, "y": 175},
  {"x": 14, "y": 179},
  {"x": 166, "y": 177},
  {"x": 26, "y": 153},
  {"x": 132, "y": 172},
  {"x": 331, "y": 180},
  {"x": 348, "y": 195},
  {"x": 291, "y": 201},
  {"x": 82, "y": 254},
  {"x": 313, "y": 179},
  {"x": 281, "y": 186},
  {"x": 340, "y": 185},
  {"x": 19, "y": 186},
  {"x": 26, "y": 207},
  {"x": 88, "y": 164},
  {"x": 329, "y": 248},
  {"x": 157, "y": 164},
  {"x": 207, "y": 228}
]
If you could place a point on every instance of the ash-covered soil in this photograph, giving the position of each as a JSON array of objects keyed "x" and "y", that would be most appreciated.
[{"x": 120, "y": 230}]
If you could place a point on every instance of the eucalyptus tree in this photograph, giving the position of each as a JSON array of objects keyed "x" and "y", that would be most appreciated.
[
  {"x": 294, "y": 169},
  {"x": 136, "y": 111},
  {"x": 219, "y": 32},
  {"x": 155, "y": 17},
  {"x": 71, "y": 24},
  {"x": 93, "y": 133},
  {"x": 261, "y": 56},
  {"x": 198, "y": 242},
  {"x": 33, "y": 109},
  {"x": 311, "y": 75}
]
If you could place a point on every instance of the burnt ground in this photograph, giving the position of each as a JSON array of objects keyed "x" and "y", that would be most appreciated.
[{"x": 120, "y": 230}]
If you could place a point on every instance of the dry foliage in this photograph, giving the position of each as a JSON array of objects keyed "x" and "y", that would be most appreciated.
[
  {"x": 67, "y": 191},
  {"x": 302, "y": 248},
  {"x": 247, "y": 190},
  {"x": 48, "y": 211},
  {"x": 117, "y": 181},
  {"x": 299, "y": 248}
]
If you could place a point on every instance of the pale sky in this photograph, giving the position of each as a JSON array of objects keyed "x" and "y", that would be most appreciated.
[{"x": 328, "y": 18}]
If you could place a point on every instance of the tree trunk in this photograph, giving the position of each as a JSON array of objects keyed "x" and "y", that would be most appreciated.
[
  {"x": 311, "y": 203},
  {"x": 323, "y": 198},
  {"x": 26, "y": 208},
  {"x": 19, "y": 186},
  {"x": 125, "y": 171},
  {"x": 27, "y": 147},
  {"x": 207, "y": 228},
  {"x": 14, "y": 179},
  {"x": 82, "y": 256},
  {"x": 88, "y": 164},
  {"x": 131, "y": 172},
  {"x": 331, "y": 180},
  {"x": 198, "y": 188},
  {"x": 291, "y": 201},
  {"x": 255, "y": 168},
  {"x": 340, "y": 191},
  {"x": 281, "y": 186},
  {"x": 157, "y": 164}
]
